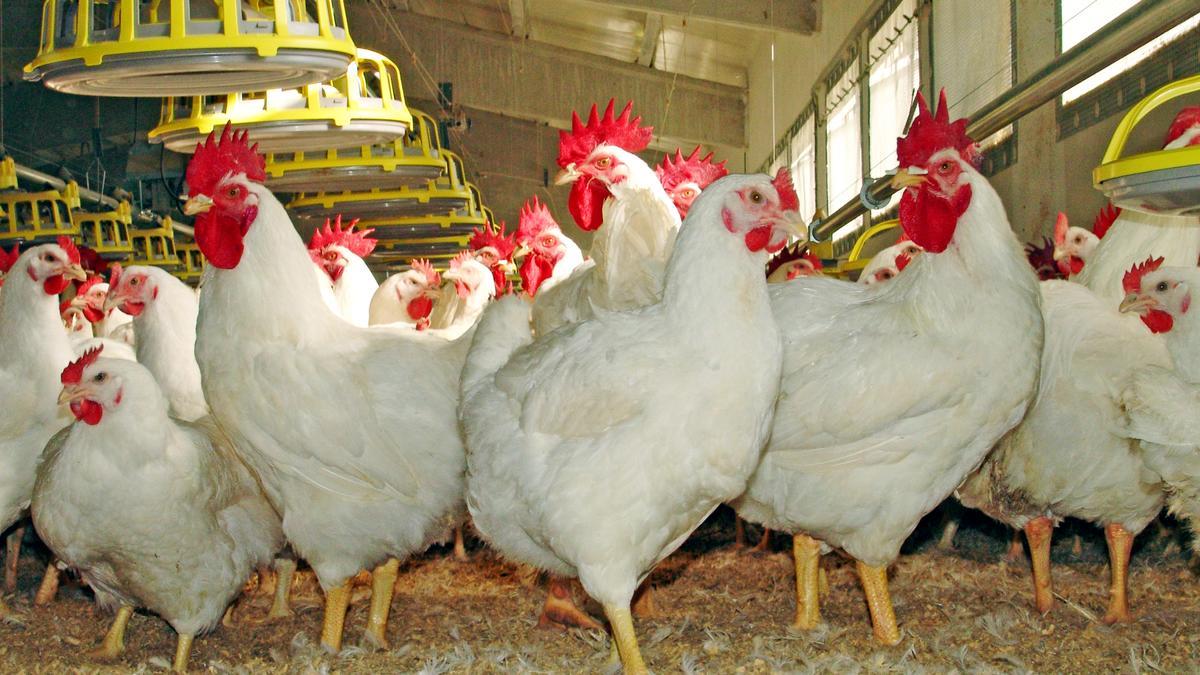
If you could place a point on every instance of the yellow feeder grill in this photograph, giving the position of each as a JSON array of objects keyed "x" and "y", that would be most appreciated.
[
  {"x": 854, "y": 262},
  {"x": 155, "y": 246},
  {"x": 438, "y": 237},
  {"x": 158, "y": 48},
  {"x": 363, "y": 105},
  {"x": 446, "y": 194},
  {"x": 191, "y": 262},
  {"x": 8, "y": 174},
  {"x": 410, "y": 161},
  {"x": 39, "y": 216},
  {"x": 107, "y": 232},
  {"x": 1165, "y": 181}
]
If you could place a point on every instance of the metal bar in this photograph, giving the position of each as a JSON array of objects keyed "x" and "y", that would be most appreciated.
[
  {"x": 92, "y": 196},
  {"x": 1122, "y": 35}
]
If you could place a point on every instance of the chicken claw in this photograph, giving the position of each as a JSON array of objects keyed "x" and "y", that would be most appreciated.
[
  {"x": 1039, "y": 532},
  {"x": 183, "y": 649},
  {"x": 337, "y": 600},
  {"x": 879, "y": 602},
  {"x": 1120, "y": 544},
  {"x": 560, "y": 610},
  {"x": 12, "y": 556},
  {"x": 621, "y": 620},
  {"x": 285, "y": 569},
  {"x": 806, "y": 552},
  {"x": 114, "y": 641},
  {"x": 764, "y": 544},
  {"x": 383, "y": 587},
  {"x": 49, "y": 586}
]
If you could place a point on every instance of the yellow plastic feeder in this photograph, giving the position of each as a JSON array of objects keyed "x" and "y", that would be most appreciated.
[
  {"x": 444, "y": 195},
  {"x": 437, "y": 237},
  {"x": 107, "y": 232},
  {"x": 363, "y": 105},
  {"x": 409, "y": 161},
  {"x": 8, "y": 174},
  {"x": 854, "y": 262},
  {"x": 191, "y": 262},
  {"x": 155, "y": 246},
  {"x": 188, "y": 47},
  {"x": 1165, "y": 181},
  {"x": 39, "y": 216}
]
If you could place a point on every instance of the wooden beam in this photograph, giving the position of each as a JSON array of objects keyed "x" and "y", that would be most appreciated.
[
  {"x": 784, "y": 16},
  {"x": 650, "y": 36}
]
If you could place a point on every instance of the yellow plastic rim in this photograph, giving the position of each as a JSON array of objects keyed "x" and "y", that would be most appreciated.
[
  {"x": 23, "y": 214},
  {"x": 107, "y": 232},
  {"x": 1113, "y": 166}
]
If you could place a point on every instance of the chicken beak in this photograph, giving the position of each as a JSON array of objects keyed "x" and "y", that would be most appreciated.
[
  {"x": 75, "y": 271},
  {"x": 791, "y": 223},
  {"x": 197, "y": 204},
  {"x": 112, "y": 301},
  {"x": 508, "y": 267},
  {"x": 907, "y": 177},
  {"x": 1137, "y": 304},
  {"x": 71, "y": 393},
  {"x": 567, "y": 175},
  {"x": 1060, "y": 254},
  {"x": 522, "y": 251}
]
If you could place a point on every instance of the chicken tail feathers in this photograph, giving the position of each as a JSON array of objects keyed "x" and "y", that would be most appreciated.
[{"x": 502, "y": 330}]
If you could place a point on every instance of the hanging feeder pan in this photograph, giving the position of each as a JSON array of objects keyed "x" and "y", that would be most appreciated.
[
  {"x": 363, "y": 105},
  {"x": 409, "y": 161},
  {"x": 188, "y": 47},
  {"x": 191, "y": 262},
  {"x": 446, "y": 194},
  {"x": 155, "y": 246},
  {"x": 38, "y": 217},
  {"x": 1165, "y": 182},
  {"x": 107, "y": 232}
]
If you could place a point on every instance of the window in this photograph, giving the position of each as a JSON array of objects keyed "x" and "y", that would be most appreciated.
[
  {"x": 843, "y": 146},
  {"x": 1082, "y": 18},
  {"x": 893, "y": 81},
  {"x": 972, "y": 55},
  {"x": 804, "y": 167}
]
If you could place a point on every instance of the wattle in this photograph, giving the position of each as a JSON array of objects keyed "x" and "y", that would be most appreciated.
[
  {"x": 535, "y": 270},
  {"x": 586, "y": 202},
  {"x": 87, "y": 411},
  {"x": 220, "y": 236},
  {"x": 55, "y": 284},
  {"x": 1158, "y": 321},
  {"x": 133, "y": 308},
  {"x": 419, "y": 308},
  {"x": 92, "y": 314},
  {"x": 929, "y": 219}
]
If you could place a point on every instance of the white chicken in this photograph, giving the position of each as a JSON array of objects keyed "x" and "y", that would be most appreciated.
[
  {"x": 113, "y": 323},
  {"x": 340, "y": 253},
  {"x": 615, "y": 191},
  {"x": 406, "y": 297},
  {"x": 471, "y": 287},
  {"x": 7, "y": 260},
  {"x": 684, "y": 178},
  {"x": 180, "y": 522},
  {"x": 353, "y": 430},
  {"x": 34, "y": 349},
  {"x": 884, "y": 408},
  {"x": 584, "y": 459},
  {"x": 495, "y": 248},
  {"x": 1074, "y": 246},
  {"x": 550, "y": 255},
  {"x": 888, "y": 263}
]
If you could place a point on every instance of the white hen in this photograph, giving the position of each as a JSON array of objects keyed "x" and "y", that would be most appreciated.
[{"x": 340, "y": 253}]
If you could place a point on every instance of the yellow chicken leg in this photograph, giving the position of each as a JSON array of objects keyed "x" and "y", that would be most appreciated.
[
  {"x": 183, "y": 649},
  {"x": 12, "y": 557},
  {"x": 1039, "y": 532},
  {"x": 337, "y": 599},
  {"x": 1120, "y": 544},
  {"x": 621, "y": 620},
  {"x": 806, "y": 552},
  {"x": 114, "y": 641},
  {"x": 49, "y": 586},
  {"x": 460, "y": 545},
  {"x": 764, "y": 544},
  {"x": 285, "y": 569},
  {"x": 383, "y": 586},
  {"x": 879, "y": 602}
]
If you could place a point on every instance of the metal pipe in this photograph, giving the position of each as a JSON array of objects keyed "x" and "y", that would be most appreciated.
[
  {"x": 1122, "y": 35},
  {"x": 95, "y": 197}
]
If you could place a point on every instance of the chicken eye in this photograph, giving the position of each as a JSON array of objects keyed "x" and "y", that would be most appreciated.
[
  {"x": 756, "y": 197},
  {"x": 549, "y": 242},
  {"x": 1161, "y": 287},
  {"x": 135, "y": 281},
  {"x": 100, "y": 377},
  {"x": 603, "y": 162},
  {"x": 48, "y": 257},
  {"x": 688, "y": 193},
  {"x": 232, "y": 192},
  {"x": 944, "y": 167}
]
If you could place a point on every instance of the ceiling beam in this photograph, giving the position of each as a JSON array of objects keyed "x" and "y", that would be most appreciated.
[
  {"x": 543, "y": 83},
  {"x": 518, "y": 12},
  {"x": 784, "y": 16},
  {"x": 650, "y": 35}
]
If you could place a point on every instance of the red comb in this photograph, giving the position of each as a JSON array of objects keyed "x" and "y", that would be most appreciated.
[
  {"x": 114, "y": 277},
  {"x": 425, "y": 267},
  {"x": 88, "y": 284},
  {"x": 1132, "y": 281},
  {"x": 504, "y": 243},
  {"x": 1186, "y": 119},
  {"x": 1060, "y": 228},
  {"x": 1042, "y": 257},
  {"x": 7, "y": 260},
  {"x": 788, "y": 199},
  {"x": 1104, "y": 220},
  {"x": 902, "y": 261},
  {"x": 535, "y": 219},
  {"x": 932, "y": 133},
  {"x": 215, "y": 159},
  {"x": 695, "y": 169},
  {"x": 791, "y": 254},
  {"x": 457, "y": 261},
  {"x": 625, "y": 133},
  {"x": 73, "y": 373},
  {"x": 358, "y": 242},
  {"x": 69, "y": 246}
]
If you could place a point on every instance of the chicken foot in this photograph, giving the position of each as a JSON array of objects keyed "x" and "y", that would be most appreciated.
[
  {"x": 285, "y": 569},
  {"x": 739, "y": 532},
  {"x": 12, "y": 557},
  {"x": 183, "y": 649},
  {"x": 337, "y": 600},
  {"x": 460, "y": 545},
  {"x": 114, "y": 641},
  {"x": 879, "y": 602},
  {"x": 1120, "y": 544},
  {"x": 1039, "y": 532},
  {"x": 560, "y": 610},
  {"x": 48, "y": 589},
  {"x": 1016, "y": 550},
  {"x": 621, "y": 620},
  {"x": 383, "y": 588},
  {"x": 806, "y": 552},
  {"x": 764, "y": 544}
]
